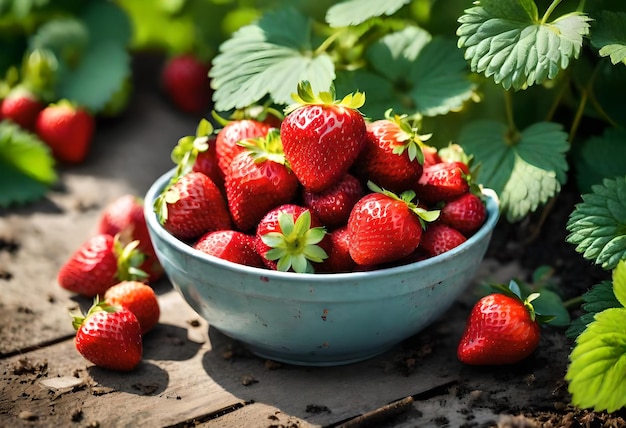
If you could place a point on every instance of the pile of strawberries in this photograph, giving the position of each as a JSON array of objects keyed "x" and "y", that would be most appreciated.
[
  {"x": 322, "y": 190},
  {"x": 115, "y": 266}
]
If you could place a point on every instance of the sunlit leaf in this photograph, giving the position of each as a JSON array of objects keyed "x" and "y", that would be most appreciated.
[
  {"x": 268, "y": 58},
  {"x": 597, "y": 226},
  {"x": 619, "y": 281},
  {"x": 525, "y": 170},
  {"x": 353, "y": 12},
  {"x": 598, "y": 363},
  {"x": 609, "y": 35},
  {"x": 596, "y": 299},
  {"x": 506, "y": 40},
  {"x": 599, "y": 157}
]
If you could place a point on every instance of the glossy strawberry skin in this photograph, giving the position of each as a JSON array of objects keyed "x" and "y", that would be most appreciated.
[
  {"x": 22, "y": 107},
  {"x": 137, "y": 297},
  {"x": 207, "y": 163},
  {"x": 333, "y": 205},
  {"x": 466, "y": 213},
  {"x": 67, "y": 130},
  {"x": 125, "y": 216},
  {"x": 226, "y": 146},
  {"x": 321, "y": 142},
  {"x": 253, "y": 188},
  {"x": 92, "y": 268},
  {"x": 185, "y": 80},
  {"x": 439, "y": 238},
  {"x": 231, "y": 245},
  {"x": 382, "y": 229},
  {"x": 111, "y": 340},
  {"x": 339, "y": 259},
  {"x": 200, "y": 208},
  {"x": 378, "y": 163},
  {"x": 499, "y": 331},
  {"x": 442, "y": 182}
]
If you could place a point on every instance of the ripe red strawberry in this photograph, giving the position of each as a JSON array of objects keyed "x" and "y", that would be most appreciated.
[
  {"x": 191, "y": 206},
  {"x": 439, "y": 238},
  {"x": 22, "y": 107},
  {"x": 98, "y": 264},
  {"x": 431, "y": 155},
  {"x": 442, "y": 182},
  {"x": 67, "y": 129},
  {"x": 339, "y": 259},
  {"x": 109, "y": 337},
  {"x": 288, "y": 238},
  {"x": 206, "y": 163},
  {"x": 384, "y": 227},
  {"x": 226, "y": 146},
  {"x": 333, "y": 205},
  {"x": 124, "y": 216},
  {"x": 231, "y": 245},
  {"x": 392, "y": 157},
  {"x": 322, "y": 137},
  {"x": 258, "y": 180},
  {"x": 186, "y": 82},
  {"x": 137, "y": 297},
  {"x": 466, "y": 213},
  {"x": 501, "y": 329}
]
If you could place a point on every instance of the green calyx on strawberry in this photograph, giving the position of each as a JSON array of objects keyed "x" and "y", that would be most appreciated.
[
  {"x": 97, "y": 306},
  {"x": 407, "y": 197},
  {"x": 305, "y": 96},
  {"x": 129, "y": 260},
  {"x": 186, "y": 152},
  {"x": 265, "y": 148},
  {"x": 295, "y": 245},
  {"x": 409, "y": 136}
]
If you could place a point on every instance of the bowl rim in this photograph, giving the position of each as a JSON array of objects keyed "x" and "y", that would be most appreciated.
[{"x": 493, "y": 214}]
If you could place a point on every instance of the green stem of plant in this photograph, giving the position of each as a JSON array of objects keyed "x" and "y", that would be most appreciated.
[
  {"x": 551, "y": 8},
  {"x": 508, "y": 107},
  {"x": 327, "y": 43},
  {"x": 585, "y": 91},
  {"x": 581, "y": 6},
  {"x": 574, "y": 302}
]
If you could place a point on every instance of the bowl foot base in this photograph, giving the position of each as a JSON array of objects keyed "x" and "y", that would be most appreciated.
[{"x": 317, "y": 360}]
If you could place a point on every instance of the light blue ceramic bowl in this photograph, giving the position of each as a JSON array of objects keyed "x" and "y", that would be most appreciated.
[{"x": 317, "y": 319}]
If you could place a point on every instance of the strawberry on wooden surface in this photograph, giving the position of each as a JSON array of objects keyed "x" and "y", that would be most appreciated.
[
  {"x": 392, "y": 156},
  {"x": 98, "y": 264},
  {"x": 289, "y": 237},
  {"x": 137, "y": 297},
  {"x": 384, "y": 227},
  {"x": 109, "y": 337},
  {"x": 501, "y": 329},
  {"x": 185, "y": 80},
  {"x": 258, "y": 180},
  {"x": 67, "y": 129},
  {"x": 226, "y": 147},
  {"x": 322, "y": 137},
  {"x": 333, "y": 205},
  {"x": 231, "y": 245},
  {"x": 21, "y": 106}
]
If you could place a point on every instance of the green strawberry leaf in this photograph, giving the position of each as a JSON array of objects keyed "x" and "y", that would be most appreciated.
[
  {"x": 26, "y": 166},
  {"x": 609, "y": 35},
  {"x": 507, "y": 40},
  {"x": 597, "y": 226},
  {"x": 619, "y": 281},
  {"x": 107, "y": 22},
  {"x": 354, "y": 12},
  {"x": 596, "y": 299},
  {"x": 524, "y": 169},
  {"x": 66, "y": 37},
  {"x": 268, "y": 58},
  {"x": 599, "y": 157},
  {"x": 598, "y": 363}
]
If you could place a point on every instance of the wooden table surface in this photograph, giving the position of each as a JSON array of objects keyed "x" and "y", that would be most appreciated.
[{"x": 192, "y": 374}]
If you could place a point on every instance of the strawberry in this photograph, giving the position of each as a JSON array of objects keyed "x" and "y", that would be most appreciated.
[
  {"x": 125, "y": 216},
  {"x": 22, "y": 107},
  {"x": 258, "y": 180},
  {"x": 109, "y": 337},
  {"x": 137, "y": 297},
  {"x": 501, "y": 329},
  {"x": 231, "y": 245},
  {"x": 192, "y": 205},
  {"x": 439, "y": 238},
  {"x": 185, "y": 80},
  {"x": 100, "y": 263},
  {"x": 288, "y": 238},
  {"x": 442, "y": 182},
  {"x": 431, "y": 155},
  {"x": 67, "y": 129},
  {"x": 466, "y": 213},
  {"x": 384, "y": 227},
  {"x": 333, "y": 205},
  {"x": 392, "y": 157},
  {"x": 322, "y": 137},
  {"x": 339, "y": 259},
  {"x": 226, "y": 146},
  {"x": 206, "y": 163}
]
